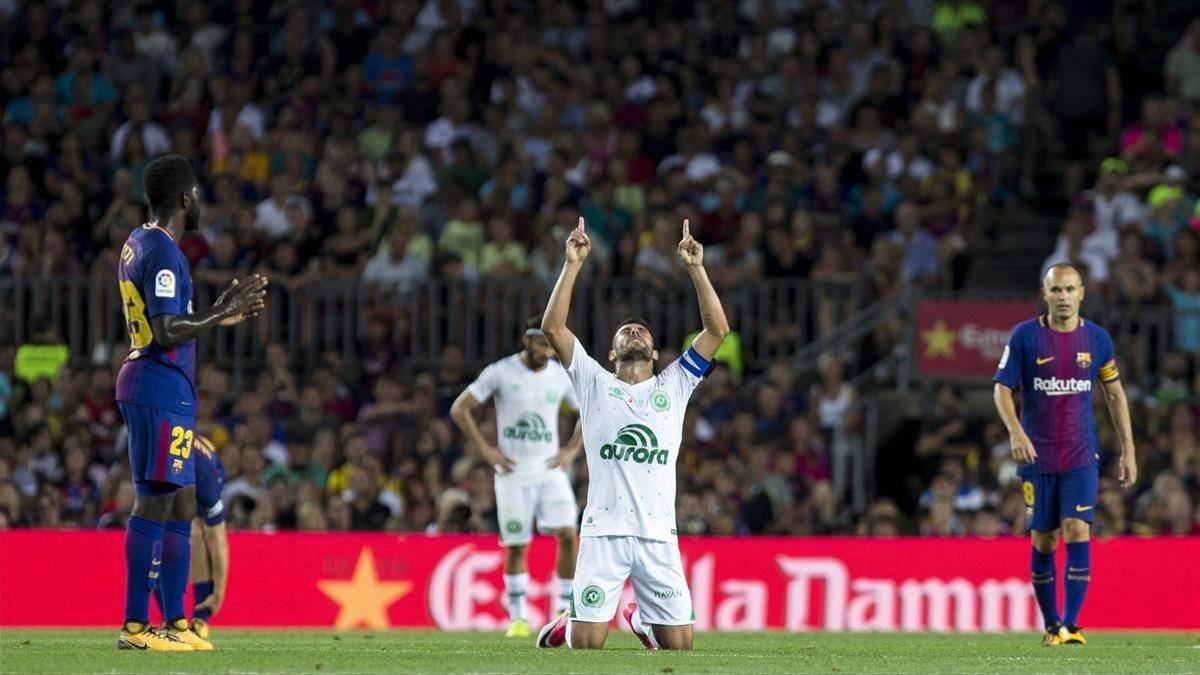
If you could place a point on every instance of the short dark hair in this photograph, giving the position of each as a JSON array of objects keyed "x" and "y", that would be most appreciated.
[
  {"x": 167, "y": 179},
  {"x": 1064, "y": 265},
  {"x": 639, "y": 320}
]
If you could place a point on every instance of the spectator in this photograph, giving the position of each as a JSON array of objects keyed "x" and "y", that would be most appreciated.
[
  {"x": 1168, "y": 217},
  {"x": 1081, "y": 243},
  {"x": 1008, "y": 89},
  {"x": 501, "y": 257},
  {"x": 1153, "y": 138},
  {"x": 1087, "y": 99},
  {"x": 340, "y": 145},
  {"x": 1185, "y": 302},
  {"x": 920, "y": 265},
  {"x": 155, "y": 140},
  {"x": 464, "y": 236},
  {"x": 1115, "y": 207},
  {"x": 367, "y": 511},
  {"x": 832, "y": 397},
  {"x": 126, "y": 67}
]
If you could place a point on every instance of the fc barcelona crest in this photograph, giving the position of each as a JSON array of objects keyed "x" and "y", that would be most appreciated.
[{"x": 1083, "y": 359}]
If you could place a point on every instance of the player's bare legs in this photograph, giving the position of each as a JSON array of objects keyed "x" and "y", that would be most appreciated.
[
  {"x": 201, "y": 572},
  {"x": 153, "y": 507},
  {"x": 567, "y": 556},
  {"x": 516, "y": 579},
  {"x": 1045, "y": 542},
  {"x": 587, "y": 635},
  {"x": 1075, "y": 530},
  {"x": 568, "y": 551},
  {"x": 514, "y": 559},
  {"x": 674, "y": 637}
]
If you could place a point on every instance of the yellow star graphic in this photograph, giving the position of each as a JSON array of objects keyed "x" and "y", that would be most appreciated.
[
  {"x": 939, "y": 340},
  {"x": 364, "y": 599}
]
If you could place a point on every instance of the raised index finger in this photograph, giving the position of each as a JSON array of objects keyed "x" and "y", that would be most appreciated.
[
  {"x": 686, "y": 229},
  {"x": 581, "y": 229}
]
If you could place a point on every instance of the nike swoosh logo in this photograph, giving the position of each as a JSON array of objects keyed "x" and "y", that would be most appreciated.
[
  {"x": 1042, "y": 362},
  {"x": 159, "y": 562},
  {"x": 1081, "y": 509}
]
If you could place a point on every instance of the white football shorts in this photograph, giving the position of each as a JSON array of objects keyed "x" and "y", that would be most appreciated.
[
  {"x": 655, "y": 568},
  {"x": 520, "y": 501}
]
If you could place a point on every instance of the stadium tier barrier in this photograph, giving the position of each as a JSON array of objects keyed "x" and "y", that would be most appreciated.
[
  {"x": 772, "y": 316},
  {"x": 453, "y": 582}
]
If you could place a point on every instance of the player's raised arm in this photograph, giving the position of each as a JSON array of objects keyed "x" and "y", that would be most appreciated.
[
  {"x": 712, "y": 314},
  {"x": 554, "y": 321},
  {"x": 1118, "y": 409},
  {"x": 241, "y": 299}
]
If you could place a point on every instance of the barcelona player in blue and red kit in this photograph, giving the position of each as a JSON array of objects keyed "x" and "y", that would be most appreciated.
[
  {"x": 210, "y": 542},
  {"x": 210, "y": 545},
  {"x": 1055, "y": 361},
  {"x": 156, "y": 395}
]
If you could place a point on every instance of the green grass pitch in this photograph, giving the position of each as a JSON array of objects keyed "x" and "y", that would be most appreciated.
[{"x": 79, "y": 651}]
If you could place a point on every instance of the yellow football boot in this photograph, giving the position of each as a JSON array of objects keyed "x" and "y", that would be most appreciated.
[
  {"x": 1052, "y": 637},
  {"x": 519, "y": 629},
  {"x": 182, "y": 632},
  {"x": 200, "y": 627},
  {"x": 142, "y": 637},
  {"x": 1071, "y": 635}
]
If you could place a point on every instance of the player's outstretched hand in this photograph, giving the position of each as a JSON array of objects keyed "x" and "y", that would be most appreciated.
[
  {"x": 691, "y": 252},
  {"x": 1128, "y": 475},
  {"x": 501, "y": 461},
  {"x": 579, "y": 244},
  {"x": 1022, "y": 447},
  {"x": 243, "y": 299}
]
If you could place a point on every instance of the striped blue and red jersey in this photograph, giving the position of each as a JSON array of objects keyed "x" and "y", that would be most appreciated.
[
  {"x": 1056, "y": 373},
  {"x": 154, "y": 279}
]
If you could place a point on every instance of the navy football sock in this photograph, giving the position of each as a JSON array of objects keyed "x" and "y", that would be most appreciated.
[
  {"x": 200, "y": 592},
  {"x": 177, "y": 558},
  {"x": 1045, "y": 587},
  {"x": 143, "y": 556},
  {"x": 1079, "y": 572}
]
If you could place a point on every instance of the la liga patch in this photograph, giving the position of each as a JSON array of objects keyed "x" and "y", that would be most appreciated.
[{"x": 164, "y": 284}]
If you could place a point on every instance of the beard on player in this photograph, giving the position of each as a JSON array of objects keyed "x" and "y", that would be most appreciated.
[
  {"x": 535, "y": 357},
  {"x": 634, "y": 347},
  {"x": 191, "y": 217}
]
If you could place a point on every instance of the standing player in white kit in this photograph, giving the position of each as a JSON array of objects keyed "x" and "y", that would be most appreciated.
[
  {"x": 530, "y": 388},
  {"x": 632, "y": 426}
]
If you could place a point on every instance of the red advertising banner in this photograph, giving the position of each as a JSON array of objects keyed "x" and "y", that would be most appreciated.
[
  {"x": 965, "y": 338},
  {"x": 57, "y": 578}
]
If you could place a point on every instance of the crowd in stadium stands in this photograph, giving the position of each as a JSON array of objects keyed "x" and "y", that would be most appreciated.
[{"x": 398, "y": 141}]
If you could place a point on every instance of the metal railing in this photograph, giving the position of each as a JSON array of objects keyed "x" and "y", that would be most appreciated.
[{"x": 774, "y": 318}]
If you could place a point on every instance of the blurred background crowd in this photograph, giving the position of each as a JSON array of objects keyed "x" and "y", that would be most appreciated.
[{"x": 886, "y": 145}]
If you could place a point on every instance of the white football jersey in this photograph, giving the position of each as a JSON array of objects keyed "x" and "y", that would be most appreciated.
[
  {"x": 527, "y": 405},
  {"x": 631, "y": 435}
]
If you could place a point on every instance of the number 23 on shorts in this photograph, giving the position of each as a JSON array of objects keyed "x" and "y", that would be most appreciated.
[{"x": 181, "y": 441}]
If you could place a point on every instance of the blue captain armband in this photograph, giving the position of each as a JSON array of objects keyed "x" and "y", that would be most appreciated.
[{"x": 694, "y": 363}]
